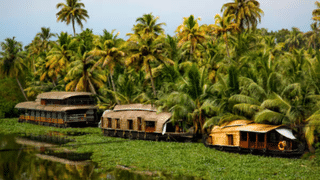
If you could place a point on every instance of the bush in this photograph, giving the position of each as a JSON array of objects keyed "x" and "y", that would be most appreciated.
[{"x": 10, "y": 95}]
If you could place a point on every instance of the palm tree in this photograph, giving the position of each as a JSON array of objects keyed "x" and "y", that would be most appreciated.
[
  {"x": 146, "y": 46},
  {"x": 146, "y": 26},
  {"x": 189, "y": 34},
  {"x": 80, "y": 76},
  {"x": 72, "y": 11},
  {"x": 223, "y": 26},
  {"x": 294, "y": 39},
  {"x": 107, "y": 49},
  {"x": 44, "y": 36},
  {"x": 59, "y": 56},
  {"x": 191, "y": 102},
  {"x": 313, "y": 35},
  {"x": 316, "y": 12},
  {"x": 247, "y": 12},
  {"x": 12, "y": 61}
]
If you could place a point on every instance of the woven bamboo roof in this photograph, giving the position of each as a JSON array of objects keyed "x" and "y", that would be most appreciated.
[
  {"x": 31, "y": 105},
  {"x": 244, "y": 126},
  {"x": 61, "y": 95},
  {"x": 146, "y": 115},
  {"x": 136, "y": 107}
]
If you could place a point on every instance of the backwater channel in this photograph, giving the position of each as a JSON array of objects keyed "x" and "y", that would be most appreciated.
[{"x": 26, "y": 158}]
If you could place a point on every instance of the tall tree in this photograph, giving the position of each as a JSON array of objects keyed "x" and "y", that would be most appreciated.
[
  {"x": 247, "y": 12},
  {"x": 44, "y": 36},
  {"x": 11, "y": 61},
  {"x": 72, "y": 11},
  {"x": 316, "y": 12},
  {"x": 109, "y": 53},
  {"x": 146, "y": 46},
  {"x": 223, "y": 26},
  {"x": 190, "y": 34}
]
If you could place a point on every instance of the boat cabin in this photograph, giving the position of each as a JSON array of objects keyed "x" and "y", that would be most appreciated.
[
  {"x": 60, "y": 109},
  {"x": 140, "y": 121},
  {"x": 246, "y": 135}
]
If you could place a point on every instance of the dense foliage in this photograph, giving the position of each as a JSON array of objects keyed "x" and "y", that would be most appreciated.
[{"x": 204, "y": 74}]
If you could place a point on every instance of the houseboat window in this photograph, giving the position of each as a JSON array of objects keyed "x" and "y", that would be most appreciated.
[
  {"x": 261, "y": 137},
  {"x": 118, "y": 123},
  {"x": 53, "y": 115},
  {"x": 274, "y": 137},
  {"x": 130, "y": 124},
  {"x": 109, "y": 123},
  {"x": 37, "y": 113},
  {"x": 243, "y": 136},
  {"x": 32, "y": 113},
  {"x": 59, "y": 116},
  {"x": 150, "y": 126},
  {"x": 230, "y": 139},
  {"x": 139, "y": 123},
  {"x": 252, "y": 137}
]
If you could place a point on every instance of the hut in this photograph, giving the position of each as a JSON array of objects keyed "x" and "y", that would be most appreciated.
[
  {"x": 61, "y": 109},
  {"x": 244, "y": 135},
  {"x": 140, "y": 121}
]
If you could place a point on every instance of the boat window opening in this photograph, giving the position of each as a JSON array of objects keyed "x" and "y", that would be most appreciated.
[
  {"x": 130, "y": 124},
  {"x": 252, "y": 137},
  {"x": 230, "y": 139},
  {"x": 243, "y": 136},
  {"x": 261, "y": 137},
  {"x": 274, "y": 137},
  {"x": 139, "y": 124},
  {"x": 150, "y": 126},
  {"x": 118, "y": 123},
  {"x": 170, "y": 127},
  {"x": 109, "y": 123},
  {"x": 53, "y": 115}
]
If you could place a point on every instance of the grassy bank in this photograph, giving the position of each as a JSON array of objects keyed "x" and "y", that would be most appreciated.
[{"x": 190, "y": 159}]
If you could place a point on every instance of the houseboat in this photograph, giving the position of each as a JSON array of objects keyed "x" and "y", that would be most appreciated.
[
  {"x": 244, "y": 135},
  {"x": 60, "y": 109},
  {"x": 140, "y": 121}
]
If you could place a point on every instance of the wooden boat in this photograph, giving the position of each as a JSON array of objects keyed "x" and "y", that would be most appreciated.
[
  {"x": 139, "y": 121},
  {"x": 244, "y": 135},
  {"x": 60, "y": 109}
]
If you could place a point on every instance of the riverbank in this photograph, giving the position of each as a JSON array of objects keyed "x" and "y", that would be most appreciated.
[{"x": 188, "y": 159}]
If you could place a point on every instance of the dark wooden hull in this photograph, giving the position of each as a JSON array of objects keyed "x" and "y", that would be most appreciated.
[
  {"x": 62, "y": 125},
  {"x": 153, "y": 136}
]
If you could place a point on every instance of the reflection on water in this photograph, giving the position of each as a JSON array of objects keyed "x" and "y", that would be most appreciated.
[{"x": 23, "y": 161}]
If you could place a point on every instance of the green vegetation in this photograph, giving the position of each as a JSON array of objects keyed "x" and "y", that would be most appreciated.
[
  {"x": 187, "y": 159},
  {"x": 204, "y": 75}
]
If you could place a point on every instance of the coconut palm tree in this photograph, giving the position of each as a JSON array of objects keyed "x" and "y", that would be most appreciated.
[
  {"x": 107, "y": 49},
  {"x": 224, "y": 26},
  {"x": 80, "y": 76},
  {"x": 316, "y": 12},
  {"x": 190, "y": 34},
  {"x": 72, "y": 11},
  {"x": 247, "y": 12},
  {"x": 147, "y": 26},
  {"x": 146, "y": 47},
  {"x": 294, "y": 39},
  {"x": 44, "y": 36},
  {"x": 12, "y": 61},
  {"x": 59, "y": 56},
  {"x": 313, "y": 35},
  {"x": 190, "y": 102}
]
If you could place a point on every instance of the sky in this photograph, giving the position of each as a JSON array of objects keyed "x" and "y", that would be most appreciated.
[{"x": 24, "y": 18}]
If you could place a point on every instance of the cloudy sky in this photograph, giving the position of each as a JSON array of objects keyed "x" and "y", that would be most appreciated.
[{"x": 24, "y": 18}]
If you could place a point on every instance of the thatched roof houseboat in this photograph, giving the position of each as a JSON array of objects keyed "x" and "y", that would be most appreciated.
[
  {"x": 60, "y": 109},
  {"x": 140, "y": 121}
]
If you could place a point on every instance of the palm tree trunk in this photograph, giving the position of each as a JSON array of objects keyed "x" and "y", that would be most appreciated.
[
  {"x": 24, "y": 94},
  {"x": 91, "y": 86},
  {"x": 152, "y": 83},
  {"x": 74, "y": 30},
  {"x": 227, "y": 47},
  {"x": 114, "y": 88}
]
